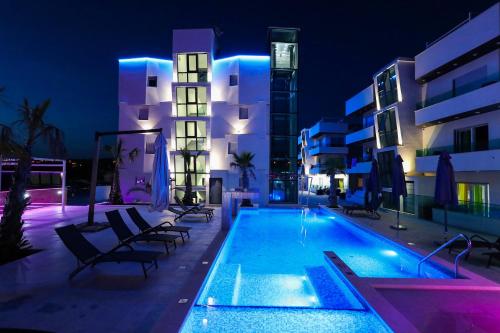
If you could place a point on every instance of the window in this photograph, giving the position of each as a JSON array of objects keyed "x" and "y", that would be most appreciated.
[
  {"x": 284, "y": 55},
  {"x": 144, "y": 114},
  {"x": 471, "y": 139},
  {"x": 152, "y": 81},
  {"x": 243, "y": 113},
  {"x": 232, "y": 148},
  {"x": 192, "y": 67},
  {"x": 191, "y": 135},
  {"x": 191, "y": 101},
  {"x": 387, "y": 87},
  {"x": 473, "y": 193},
  {"x": 463, "y": 140},
  {"x": 385, "y": 160},
  {"x": 197, "y": 168},
  {"x": 470, "y": 81},
  {"x": 233, "y": 80},
  {"x": 387, "y": 129}
]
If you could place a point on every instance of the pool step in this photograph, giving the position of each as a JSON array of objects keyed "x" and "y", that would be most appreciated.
[
  {"x": 332, "y": 293},
  {"x": 224, "y": 290}
]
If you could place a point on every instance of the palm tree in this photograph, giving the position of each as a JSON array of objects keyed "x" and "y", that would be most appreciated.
[
  {"x": 12, "y": 240},
  {"x": 188, "y": 156},
  {"x": 244, "y": 163},
  {"x": 117, "y": 153},
  {"x": 332, "y": 167}
]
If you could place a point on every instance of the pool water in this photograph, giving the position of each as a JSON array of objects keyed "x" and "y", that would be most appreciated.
[{"x": 272, "y": 276}]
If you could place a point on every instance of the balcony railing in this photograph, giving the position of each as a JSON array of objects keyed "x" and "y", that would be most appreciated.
[
  {"x": 490, "y": 79},
  {"x": 492, "y": 144}
]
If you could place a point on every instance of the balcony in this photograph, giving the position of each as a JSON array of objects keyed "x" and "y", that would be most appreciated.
[
  {"x": 325, "y": 127},
  {"x": 490, "y": 79},
  {"x": 365, "y": 134},
  {"x": 360, "y": 167},
  {"x": 473, "y": 160},
  {"x": 322, "y": 150},
  {"x": 483, "y": 99},
  {"x": 472, "y": 37},
  {"x": 361, "y": 101}
]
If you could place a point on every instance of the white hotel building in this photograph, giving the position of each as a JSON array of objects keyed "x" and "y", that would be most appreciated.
[
  {"x": 317, "y": 144},
  {"x": 214, "y": 106},
  {"x": 445, "y": 99}
]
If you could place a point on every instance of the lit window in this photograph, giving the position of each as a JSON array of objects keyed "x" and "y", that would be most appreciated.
[
  {"x": 152, "y": 81},
  {"x": 191, "y": 135},
  {"x": 243, "y": 113},
  {"x": 387, "y": 87},
  {"x": 191, "y": 101},
  {"x": 192, "y": 67}
]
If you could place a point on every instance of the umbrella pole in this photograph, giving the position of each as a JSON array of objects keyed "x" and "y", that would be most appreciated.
[{"x": 398, "y": 226}]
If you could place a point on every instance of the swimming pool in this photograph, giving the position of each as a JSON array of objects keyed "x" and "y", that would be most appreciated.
[{"x": 271, "y": 275}]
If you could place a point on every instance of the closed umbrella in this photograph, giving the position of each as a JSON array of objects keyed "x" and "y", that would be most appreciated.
[
  {"x": 398, "y": 188},
  {"x": 373, "y": 188},
  {"x": 446, "y": 189},
  {"x": 160, "y": 178}
]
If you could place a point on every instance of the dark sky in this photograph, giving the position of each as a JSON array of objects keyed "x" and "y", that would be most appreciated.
[{"x": 68, "y": 50}]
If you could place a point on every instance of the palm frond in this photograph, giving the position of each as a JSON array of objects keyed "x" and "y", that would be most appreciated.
[
  {"x": 8, "y": 146},
  {"x": 54, "y": 137},
  {"x": 133, "y": 154}
]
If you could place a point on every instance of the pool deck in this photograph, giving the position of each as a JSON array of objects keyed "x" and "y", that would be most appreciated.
[
  {"x": 35, "y": 292},
  {"x": 471, "y": 304}
]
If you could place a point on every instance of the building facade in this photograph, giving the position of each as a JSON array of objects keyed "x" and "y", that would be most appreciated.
[
  {"x": 445, "y": 99},
  {"x": 322, "y": 141},
  {"x": 459, "y": 109},
  {"x": 212, "y": 107}
]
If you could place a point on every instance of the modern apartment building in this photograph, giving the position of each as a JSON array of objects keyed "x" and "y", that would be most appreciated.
[
  {"x": 359, "y": 111},
  {"x": 445, "y": 99},
  {"x": 317, "y": 144},
  {"x": 213, "y": 107},
  {"x": 459, "y": 108}
]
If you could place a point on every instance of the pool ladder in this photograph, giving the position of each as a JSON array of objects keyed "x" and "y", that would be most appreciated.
[{"x": 457, "y": 258}]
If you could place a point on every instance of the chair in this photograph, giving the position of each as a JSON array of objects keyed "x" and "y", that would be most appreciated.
[
  {"x": 88, "y": 255},
  {"x": 126, "y": 236},
  {"x": 145, "y": 227},
  {"x": 199, "y": 209},
  {"x": 180, "y": 213}
]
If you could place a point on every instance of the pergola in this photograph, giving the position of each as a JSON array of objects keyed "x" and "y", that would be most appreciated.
[{"x": 91, "y": 225}]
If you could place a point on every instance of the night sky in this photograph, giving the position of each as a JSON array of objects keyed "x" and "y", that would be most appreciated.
[{"x": 68, "y": 50}]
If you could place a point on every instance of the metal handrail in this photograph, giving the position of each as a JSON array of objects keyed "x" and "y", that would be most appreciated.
[{"x": 457, "y": 258}]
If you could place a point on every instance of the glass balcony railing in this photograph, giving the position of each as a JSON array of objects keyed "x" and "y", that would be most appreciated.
[
  {"x": 492, "y": 144},
  {"x": 422, "y": 205},
  {"x": 486, "y": 81}
]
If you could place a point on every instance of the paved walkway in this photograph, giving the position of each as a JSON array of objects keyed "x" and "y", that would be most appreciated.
[
  {"x": 35, "y": 292},
  {"x": 423, "y": 234}
]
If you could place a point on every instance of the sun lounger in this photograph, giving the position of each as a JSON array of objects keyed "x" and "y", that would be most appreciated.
[
  {"x": 88, "y": 255},
  {"x": 477, "y": 242},
  {"x": 492, "y": 255},
  {"x": 200, "y": 209},
  {"x": 126, "y": 236},
  {"x": 180, "y": 213},
  {"x": 165, "y": 226},
  {"x": 350, "y": 209}
]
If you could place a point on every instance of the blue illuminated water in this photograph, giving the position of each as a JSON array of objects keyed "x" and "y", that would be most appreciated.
[{"x": 271, "y": 275}]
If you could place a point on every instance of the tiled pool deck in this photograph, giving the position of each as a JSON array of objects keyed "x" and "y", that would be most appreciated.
[{"x": 35, "y": 292}]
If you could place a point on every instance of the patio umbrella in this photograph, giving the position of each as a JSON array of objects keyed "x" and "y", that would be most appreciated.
[
  {"x": 398, "y": 188},
  {"x": 446, "y": 189},
  {"x": 373, "y": 188},
  {"x": 160, "y": 177}
]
